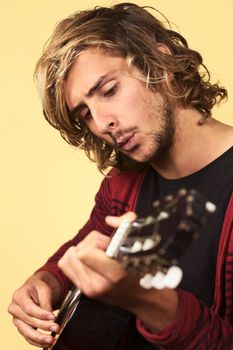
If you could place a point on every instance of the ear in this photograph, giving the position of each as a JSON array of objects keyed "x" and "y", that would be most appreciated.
[
  {"x": 163, "y": 48},
  {"x": 166, "y": 50}
]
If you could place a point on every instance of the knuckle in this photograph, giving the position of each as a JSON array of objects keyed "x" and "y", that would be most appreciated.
[
  {"x": 14, "y": 321},
  {"x": 81, "y": 254},
  {"x": 93, "y": 236},
  {"x": 119, "y": 277},
  {"x": 20, "y": 294},
  {"x": 19, "y": 327},
  {"x": 67, "y": 256},
  {"x": 90, "y": 292},
  {"x": 96, "y": 290},
  {"x": 16, "y": 295},
  {"x": 28, "y": 308},
  {"x": 93, "y": 233},
  {"x": 34, "y": 341},
  {"x": 115, "y": 279},
  {"x": 10, "y": 309},
  {"x": 70, "y": 252}
]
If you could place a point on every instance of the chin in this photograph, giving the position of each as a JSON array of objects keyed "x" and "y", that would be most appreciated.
[
  {"x": 141, "y": 158},
  {"x": 142, "y": 155}
]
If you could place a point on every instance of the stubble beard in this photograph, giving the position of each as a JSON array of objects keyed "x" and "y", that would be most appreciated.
[{"x": 162, "y": 140}]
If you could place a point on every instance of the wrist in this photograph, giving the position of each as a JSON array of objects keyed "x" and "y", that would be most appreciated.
[{"x": 158, "y": 310}]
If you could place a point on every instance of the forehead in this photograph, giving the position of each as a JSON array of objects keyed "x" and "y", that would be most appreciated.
[{"x": 88, "y": 67}]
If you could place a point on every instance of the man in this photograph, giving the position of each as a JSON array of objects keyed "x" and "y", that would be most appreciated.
[{"x": 118, "y": 84}]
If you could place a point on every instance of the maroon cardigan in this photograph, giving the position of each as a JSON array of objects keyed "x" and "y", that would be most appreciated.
[{"x": 197, "y": 327}]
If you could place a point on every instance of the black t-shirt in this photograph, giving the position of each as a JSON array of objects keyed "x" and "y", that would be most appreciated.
[{"x": 215, "y": 181}]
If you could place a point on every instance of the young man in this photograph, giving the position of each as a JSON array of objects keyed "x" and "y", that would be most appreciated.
[{"x": 131, "y": 93}]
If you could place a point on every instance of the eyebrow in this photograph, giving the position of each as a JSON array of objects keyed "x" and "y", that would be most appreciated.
[{"x": 91, "y": 91}]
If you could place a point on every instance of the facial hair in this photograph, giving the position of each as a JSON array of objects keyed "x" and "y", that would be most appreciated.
[{"x": 163, "y": 139}]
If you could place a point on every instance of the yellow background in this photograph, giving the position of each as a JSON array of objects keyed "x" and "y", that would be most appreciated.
[{"x": 47, "y": 186}]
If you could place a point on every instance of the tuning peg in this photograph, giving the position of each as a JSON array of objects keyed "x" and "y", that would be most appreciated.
[
  {"x": 210, "y": 207},
  {"x": 146, "y": 281},
  {"x": 168, "y": 198},
  {"x": 173, "y": 277},
  {"x": 163, "y": 215},
  {"x": 158, "y": 281},
  {"x": 182, "y": 192},
  {"x": 156, "y": 204},
  {"x": 148, "y": 244},
  {"x": 137, "y": 247}
]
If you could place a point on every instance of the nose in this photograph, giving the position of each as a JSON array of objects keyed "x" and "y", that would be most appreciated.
[{"x": 105, "y": 120}]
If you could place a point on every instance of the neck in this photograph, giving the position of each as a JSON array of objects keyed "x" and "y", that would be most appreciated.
[{"x": 194, "y": 145}]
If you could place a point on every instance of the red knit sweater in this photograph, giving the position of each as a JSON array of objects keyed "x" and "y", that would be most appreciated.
[{"x": 198, "y": 327}]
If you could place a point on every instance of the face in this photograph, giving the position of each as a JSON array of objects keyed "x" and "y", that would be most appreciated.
[{"x": 117, "y": 107}]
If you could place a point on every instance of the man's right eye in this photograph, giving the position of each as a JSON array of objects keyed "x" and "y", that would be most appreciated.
[{"x": 111, "y": 91}]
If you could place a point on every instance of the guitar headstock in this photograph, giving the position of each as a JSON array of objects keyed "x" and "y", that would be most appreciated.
[{"x": 153, "y": 245}]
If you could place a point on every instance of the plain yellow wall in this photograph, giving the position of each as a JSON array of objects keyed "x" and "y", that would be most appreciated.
[{"x": 47, "y": 187}]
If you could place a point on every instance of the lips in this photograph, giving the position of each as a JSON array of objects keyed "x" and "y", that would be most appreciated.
[{"x": 126, "y": 143}]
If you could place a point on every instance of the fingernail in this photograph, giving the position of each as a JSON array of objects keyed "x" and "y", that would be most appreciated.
[
  {"x": 50, "y": 317},
  {"x": 54, "y": 328},
  {"x": 47, "y": 340}
]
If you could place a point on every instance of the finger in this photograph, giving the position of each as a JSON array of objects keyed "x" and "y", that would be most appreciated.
[
  {"x": 115, "y": 221},
  {"x": 28, "y": 306},
  {"x": 85, "y": 278},
  {"x": 28, "y": 300},
  {"x": 33, "y": 336},
  {"x": 98, "y": 262},
  {"x": 72, "y": 268},
  {"x": 94, "y": 239},
  {"x": 40, "y": 296},
  {"x": 32, "y": 321},
  {"x": 45, "y": 301}
]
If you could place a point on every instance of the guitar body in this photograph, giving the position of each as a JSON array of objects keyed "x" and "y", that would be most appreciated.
[{"x": 96, "y": 326}]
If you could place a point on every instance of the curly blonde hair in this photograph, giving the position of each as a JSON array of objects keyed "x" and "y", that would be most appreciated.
[{"x": 130, "y": 31}]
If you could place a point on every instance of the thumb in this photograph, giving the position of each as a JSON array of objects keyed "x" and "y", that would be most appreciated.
[
  {"x": 115, "y": 221},
  {"x": 45, "y": 298}
]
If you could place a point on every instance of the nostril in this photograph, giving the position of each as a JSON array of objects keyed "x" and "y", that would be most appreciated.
[{"x": 111, "y": 124}]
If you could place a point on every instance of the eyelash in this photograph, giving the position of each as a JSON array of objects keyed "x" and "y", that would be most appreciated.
[
  {"x": 111, "y": 91},
  {"x": 108, "y": 93}
]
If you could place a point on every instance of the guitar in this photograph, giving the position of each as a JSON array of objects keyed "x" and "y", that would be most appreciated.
[{"x": 151, "y": 246}]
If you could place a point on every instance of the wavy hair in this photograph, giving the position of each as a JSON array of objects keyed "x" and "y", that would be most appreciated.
[{"x": 130, "y": 31}]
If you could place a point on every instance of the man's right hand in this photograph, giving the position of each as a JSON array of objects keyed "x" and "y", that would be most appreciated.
[{"x": 31, "y": 308}]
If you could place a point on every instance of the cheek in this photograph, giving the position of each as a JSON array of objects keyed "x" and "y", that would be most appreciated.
[
  {"x": 134, "y": 94},
  {"x": 131, "y": 103}
]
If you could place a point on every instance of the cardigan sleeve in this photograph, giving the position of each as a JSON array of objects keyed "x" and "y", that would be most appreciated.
[
  {"x": 96, "y": 221},
  {"x": 199, "y": 327},
  {"x": 117, "y": 194}
]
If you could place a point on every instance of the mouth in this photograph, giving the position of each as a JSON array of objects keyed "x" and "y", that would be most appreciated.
[{"x": 126, "y": 143}]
